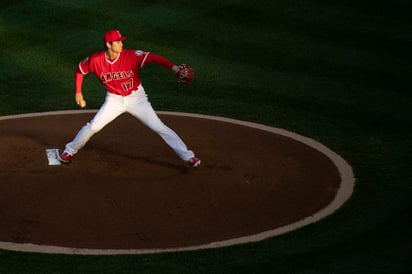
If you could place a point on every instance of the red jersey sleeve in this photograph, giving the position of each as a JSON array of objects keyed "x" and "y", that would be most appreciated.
[
  {"x": 82, "y": 69},
  {"x": 78, "y": 77},
  {"x": 84, "y": 66},
  {"x": 154, "y": 58}
]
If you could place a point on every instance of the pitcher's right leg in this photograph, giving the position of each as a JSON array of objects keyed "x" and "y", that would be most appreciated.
[{"x": 111, "y": 109}]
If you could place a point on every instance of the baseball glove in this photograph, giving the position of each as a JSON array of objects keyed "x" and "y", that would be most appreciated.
[{"x": 184, "y": 75}]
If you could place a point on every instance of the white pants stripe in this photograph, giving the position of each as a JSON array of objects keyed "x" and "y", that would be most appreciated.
[{"x": 137, "y": 105}]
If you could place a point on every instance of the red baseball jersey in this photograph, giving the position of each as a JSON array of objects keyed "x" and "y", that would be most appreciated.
[{"x": 119, "y": 75}]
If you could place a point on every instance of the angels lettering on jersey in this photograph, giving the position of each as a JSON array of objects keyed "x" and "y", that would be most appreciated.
[{"x": 118, "y": 75}]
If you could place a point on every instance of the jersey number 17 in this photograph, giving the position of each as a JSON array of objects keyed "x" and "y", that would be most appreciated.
[{"x": 127, "y": 84}]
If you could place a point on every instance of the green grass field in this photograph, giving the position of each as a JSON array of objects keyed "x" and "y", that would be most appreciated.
[{"x": 335, "y": 71}]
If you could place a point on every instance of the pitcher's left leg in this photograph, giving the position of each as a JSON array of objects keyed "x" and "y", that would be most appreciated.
[
  {"x": 144, "y": 111},
  {"x": 151, "y": 120}
]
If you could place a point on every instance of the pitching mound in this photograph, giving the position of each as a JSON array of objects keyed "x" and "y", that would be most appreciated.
[{"x": 127, "y": 190}]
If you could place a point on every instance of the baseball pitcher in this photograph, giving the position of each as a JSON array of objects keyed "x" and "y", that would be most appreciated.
[{"x": 117, "y": 70}]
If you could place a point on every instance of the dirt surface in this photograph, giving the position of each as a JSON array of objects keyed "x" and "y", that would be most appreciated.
[{"x": 127, "y": 190}]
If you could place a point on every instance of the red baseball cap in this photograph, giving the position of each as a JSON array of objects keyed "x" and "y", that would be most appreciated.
[{"x": 113, "y": 35}]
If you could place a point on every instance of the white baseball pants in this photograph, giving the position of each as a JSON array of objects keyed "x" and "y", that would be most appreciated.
[{"x": 137, "y": 105}]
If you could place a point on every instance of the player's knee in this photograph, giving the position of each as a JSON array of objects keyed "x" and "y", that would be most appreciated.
[
  {"x": 160, "y": 128},
  {"x": 93, "y": 127}
]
